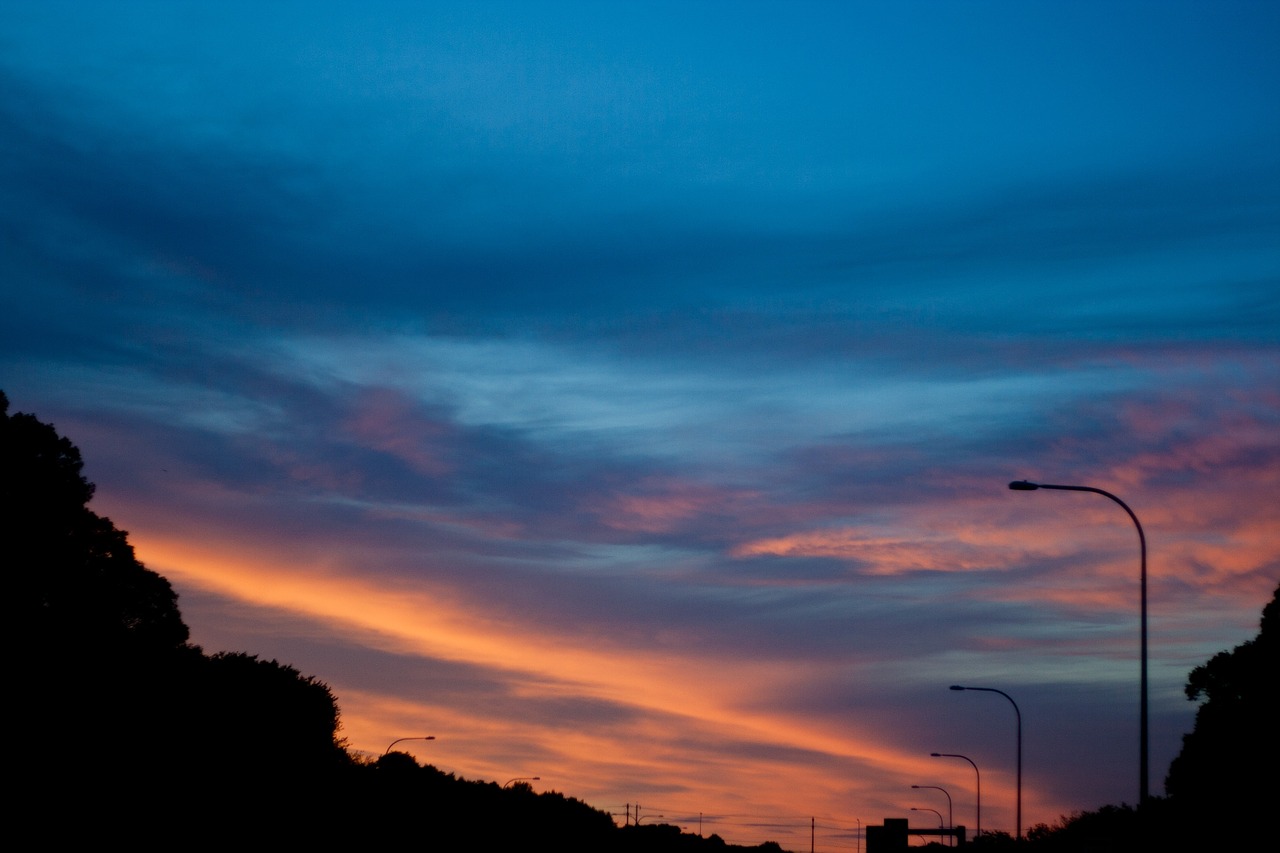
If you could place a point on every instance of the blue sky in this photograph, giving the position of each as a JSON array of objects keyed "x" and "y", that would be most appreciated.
[{"x": 626, "y": 393}]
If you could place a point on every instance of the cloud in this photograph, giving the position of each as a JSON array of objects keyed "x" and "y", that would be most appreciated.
[{"x": 634, "y": 406}]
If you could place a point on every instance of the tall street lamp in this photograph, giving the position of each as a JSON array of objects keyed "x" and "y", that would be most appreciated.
[
  {"x": 397, "y": 740},
  {"x": 951, "y": 819},
  {"x": 1025, "y": 486},
  {"x": 510, "y": 782},
  {"x": 979, "y": 779},
  {"x": 1019, "y": 716}
]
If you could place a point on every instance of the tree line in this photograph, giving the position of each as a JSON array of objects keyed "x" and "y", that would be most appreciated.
[{"x": 123, "y": 729}]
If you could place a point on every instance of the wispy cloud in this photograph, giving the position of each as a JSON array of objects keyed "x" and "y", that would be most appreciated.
[{"x": 633, "y": 405}]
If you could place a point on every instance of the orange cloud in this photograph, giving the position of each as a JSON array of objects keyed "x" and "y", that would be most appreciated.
[
  {"x": 688, "y": 698},
  {"x": 881, "y": 555}
]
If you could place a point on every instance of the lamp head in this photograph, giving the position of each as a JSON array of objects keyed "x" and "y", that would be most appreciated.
[
  {"x": 958, "y": 687},
  {"x": 936, "y": 754},
  {"x": 1023, "y": 486}
]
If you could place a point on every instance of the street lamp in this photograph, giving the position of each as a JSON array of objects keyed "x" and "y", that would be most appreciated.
[
  {"x": 979, "y": 778},
  {"x": 1025, "y": 486},
  {"x": 1019, "y": 715},
  {"x": 509, "y": 782},
  {"x": 951, "y": 820},
  {"x": 935, "y": 811},
  {"x": 397, "y": 740}
]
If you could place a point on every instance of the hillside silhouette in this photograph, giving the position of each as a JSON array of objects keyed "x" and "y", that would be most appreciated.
[{"x": 124, "y": 731}]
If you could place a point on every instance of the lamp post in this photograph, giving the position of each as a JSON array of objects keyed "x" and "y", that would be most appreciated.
[
  {"x": 935, "y": 811},
  {"x": 397, "y": 740},
  {"x": 951, "y": 819},
  {"x": 978, "y": 775},
  {"x": 1019, "y": 716},
  {"x": 1025, "y": 486},
  {"x": 509, "y": 782}
]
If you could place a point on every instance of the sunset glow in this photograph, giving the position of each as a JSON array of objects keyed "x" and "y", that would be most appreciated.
[{"x": 627, "y": 394}]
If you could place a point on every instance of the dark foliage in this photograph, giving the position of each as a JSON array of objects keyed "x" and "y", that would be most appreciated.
[
  {"x": 1220, "y": 787},
  {"x": 665, "y": 837},
  {"x": 127, "y": 734},
  {"x": 267, "y": 709},
  {"x": 118, "y": 720},
  {"x": 479, "y": 815},
  {"x": 95, "y": 634},
  {"x": 1224, "y": 772},
  {"x": 1110, "y": 828},
  {"x": 1236, "y": 726},
  {"x": 74, "y": 581}
]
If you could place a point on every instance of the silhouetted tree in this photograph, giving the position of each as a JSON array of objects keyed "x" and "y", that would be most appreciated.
[
  {"x": 96, "y": 638},
  {"x": 117, "y": 718},
  {"x": 994, "y": 839},
  {"x": 1225, "y": 769},
  {"x": 74, "y": 581},
  {"x": 127, "y": 732},
  {"x": 287, "y": 722},
  {"x": 1108, "y": 829}
]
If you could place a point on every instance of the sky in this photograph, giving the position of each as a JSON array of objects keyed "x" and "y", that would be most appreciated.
[{"x": 625, "y": 394}]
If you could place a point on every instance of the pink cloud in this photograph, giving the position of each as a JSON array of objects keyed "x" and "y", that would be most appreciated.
[
  {"x": 660, "y": 505},
  {"x": 387, "y": 421}
]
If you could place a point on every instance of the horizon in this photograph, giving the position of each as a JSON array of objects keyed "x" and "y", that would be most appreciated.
[{"x": 627, "y": 394}]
